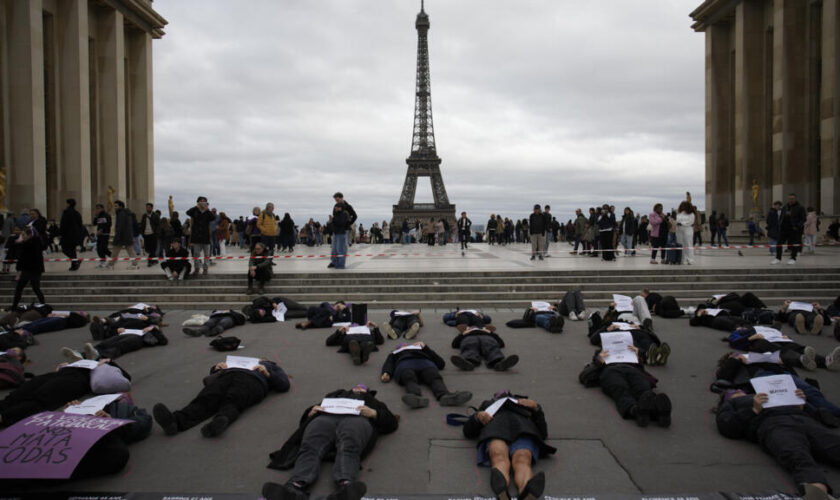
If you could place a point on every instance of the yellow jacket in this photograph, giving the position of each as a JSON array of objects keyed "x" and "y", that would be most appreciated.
[{"x": 267, "y": 224}]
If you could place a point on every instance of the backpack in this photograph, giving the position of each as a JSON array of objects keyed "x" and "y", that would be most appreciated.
[
  {"x": 590, "y": 376},
  {"x": 756, "y": 316},
  {"x": 225, "y": 343}
]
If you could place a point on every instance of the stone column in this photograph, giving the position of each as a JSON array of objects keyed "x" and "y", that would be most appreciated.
[
  {"x": 790, "y": 103},
  {"x": 141, "y": 139},
  {"x": 26, "y": 184},
  {"x": 110, "y": 49},
  {"x": 830, "y": 110},
  {"x": 74, "y": 105},
  {"x": 749, "y": 105},
  {"x": 719, "y": 102}
]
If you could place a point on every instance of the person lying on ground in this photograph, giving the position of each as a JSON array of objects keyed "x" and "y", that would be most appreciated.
[
  {"x": 652, "y": 351},
  {"x": 791, "y": 353},
  {"x": 807, "y": 319},
  {"x": 325, "y": 315},
  {"x": 476, "y": 344},
  {"x": 359, "y": 341},
  {"x": 468, "y": 317},
  {"x": 411, "y": 365},
  {"x": 219, "y": 321},
  {"x": 125, "y": 341},
  {"x": 403, "y": 322},
  {"x": 263, "y": 309}
]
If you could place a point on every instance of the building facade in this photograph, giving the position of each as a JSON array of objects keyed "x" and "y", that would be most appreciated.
[
  {"x": 76, "y": 102},
  {"x": 772, "y": 103}
]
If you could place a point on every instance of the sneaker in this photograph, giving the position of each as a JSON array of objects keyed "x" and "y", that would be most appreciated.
[
  {"x": 288, "y": 491},
  {"x": 819, "y": 321},
  {"x": 455, "y": 398},
  {"x": 533, "y": 489},
  {"x": 355, "y": 352},
  {"x": 91, "y": 352},
  {"x": 462, "y": 363},
  {"x": 71, "y": 355},
  {"x": 799, "y": 322},
  {"x": 832, "y": 361},
  {"x": 389, "y": 330},
  {"x": 216, "y": 426},
  {"x": 192, "y": 332},
  {"x": 662, "y": 405},
  {"x": 644, "y": 408},
  {"x": 412, "y": 331},
  {"x": 652, "y": 354},
  {"x": 414, "y": 401},
  {"x": 775, "y": 261},
  {"x": 581, "y": 315},
  {"x": 349, "y": 490},
  {"x": 573, "y": 316},
  {"x": 506, "y": 363},
  {"x": 791, "y": 261},
  {"x": 165, "y": 419},
  {"x": 664, "y": 352},
  {"x": 808, "y": 358}
]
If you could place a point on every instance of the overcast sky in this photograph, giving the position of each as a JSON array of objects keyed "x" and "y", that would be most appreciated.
[{"x": 566, "y": 102}]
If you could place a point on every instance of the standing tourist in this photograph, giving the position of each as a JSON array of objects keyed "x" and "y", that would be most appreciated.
[
  {"x": 812, "y": 224},
  {"x": 464, "y": 225},
  {"x": 606, "y": 228},
  {"x": 536, "y": 223},
  {"x": 685, "y": 231},
  {"x": 200, "y": 219},
  {"x": 287, "y": 233},
  {"x": 791, "y": 224},
  {"x": 150, "y": 226},
  {"x": 103, "y": 232},
  {"x": 267, "y": 224},
  {"x": 774, "y": 216},
  {"x": 223, "y": 232},
  {"x": 628, "y": 231},
  {"x": 124, "y": 234},
  {"x": 340, "y": 226},
  {"x": 657, "y": 233},
  {"x": 72, "y": 232}
]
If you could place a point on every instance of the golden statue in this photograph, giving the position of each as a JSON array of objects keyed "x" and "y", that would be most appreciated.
[
  {"x": 755, "y": 190},
  {"x": 110, "y": 205},
  {"x": 171, "y": 206},
  {"x": 688, "y": 197},
  {"x": 3, "y": 189}
]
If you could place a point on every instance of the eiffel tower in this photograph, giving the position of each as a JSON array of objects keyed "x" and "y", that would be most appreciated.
[{"x": 423, "y": 160}]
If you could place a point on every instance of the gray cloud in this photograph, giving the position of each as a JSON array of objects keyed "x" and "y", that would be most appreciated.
[{"x": 553, "y": 101}]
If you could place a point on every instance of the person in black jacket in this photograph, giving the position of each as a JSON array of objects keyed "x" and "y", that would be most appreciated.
[
  {"x": 358, "y": 343},
  {"x": 476, "y": 343},
  {"x": 324, "y": 315},
  {"x": 791, "y": 225},
  {"x": 414, "y": 364},
  {"x": 537, "y": 228},
  {"x": 30, "y": 254},
  {"x": 261, "y": 309},
  {"x": 399, "y": 322},
  {"x": 774, "y": 216},
  {"x": 220, "y": 320},
  {"x": 150, "y": 229},
  {"x": 792, "y": 436},
  {"x": 805, "y": 322},
  {"x": 125, "y": 341},
  {"x": 179, "y": 267},
  {"x": 124, "y": 233},
  {"x": 322, "y": 436},
  {"x": 606, "y": 228},
  {"x": 259, "y": 268},
  {"x": 511, "y": 433},
  {"x": 226, "y": 394},
  {"x": 102, "y": 220},
  {"x": 464, "y": 226},
  {"x": 200, "y": 219},
  {"x": 341, "y": 222},
  {"x": 72, "y": 232}
]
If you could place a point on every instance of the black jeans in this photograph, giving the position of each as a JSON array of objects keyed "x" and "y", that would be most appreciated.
[
  {"x": 658, "y": 242},
  {"x": 794, "y": 241},
  {"x": 45, "y": 392},
  {"x": 474, "y": 347},
  {"x": 349, "y": 434},
  {"x": 150, "y": 245},
  {"x": 797, "y": 442},
  {"x": 431, "y": 377},
  {"x": 401, "y": 324},
  {"x": 229, "y": 394},
  {"x": 222, "y": 321},
  {"x": 116, "y": 346},
  {"x": 102, "y": 246},
  {"x": 624, "y": 384},
  {"x": 25, "y": 278}
]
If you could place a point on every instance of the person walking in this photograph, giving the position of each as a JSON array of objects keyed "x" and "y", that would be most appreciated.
[
  {"x": 791, "y": 225},
  {"x": 72, "y": 232},
  {"x": 29, "y": 250},
  {"x": 103, "y": 232},
  {"x": 464, "y": 225}
]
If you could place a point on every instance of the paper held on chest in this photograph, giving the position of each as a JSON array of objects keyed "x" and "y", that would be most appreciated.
[
  {"x": 713, "y": 312},
  {"x": 403, "y": 313},
  {"x": 88, "y": 364},
  {"x": 279, "y": 312},
  {"x": 408, "y": 348},
  {"x": 771, "y": 334},
  {"x": 242, "y": 362},
  {"x": 62, "y": 314},
  {"x": 140, "y": 305},
  {"x": 341, "y": 406},
  {"x": 623, "y": 303},
  {"x": 358, "y": 330},
  {"x": 540, "y": 306},
  {"x": 718, "y": 296},
  {"x": 617, "y": 345},
  {"x": 344, "y": 323},
  {"x": 130, "y": 331},
  {"x": 800, "y": 306},
  {"x": 92, "y": 405},
  {"x": 780, "y": 389},
  {"x": 622, "y": 325},
  {"x": 763, "y": 357},
  {"x": 496, "y": 406},
  {"x": 471, "y": 311}
]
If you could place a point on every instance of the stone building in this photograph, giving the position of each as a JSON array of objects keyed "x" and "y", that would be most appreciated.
[
  {"x": 76, "y": 102},
  {"x": 772, "y": 103}
]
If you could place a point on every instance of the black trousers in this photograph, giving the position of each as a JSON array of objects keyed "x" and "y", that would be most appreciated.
[
  {"x": 118, "y": 345},
  {"x": 659, "y": 242},
  {"x": 293, "y": 309},
  {"x": 624, "y": 384},
  {"x": 572, "y": 302},
  {"x": 102, "y": 246},
  {"x": 797, "y": 442},
  {"x": 794, "y": 241},
  {"x": 263, "y": 276},
  {"x": 469, "y": 319},
  {"x": 400, "y": 324},
  {"x": 44, "y": 393},
  {"x": 474, "y": 347},
  {"x": 225, "y": 322},
  {"x": 319, "y": 317},
  {"x": 150, "y": 245},
  {"x": 809, "y": 317},
  {"x": 25, "y": 278},
  {"x": 464, "y": 237},
  {"x": 181, "y": 267},
  {"x": 229, "y": 394},
  {"x": 606, "y": 238},
  {"x": 430, "y": 377},
  {"x": 349, "y": 434},
  {"x": 69, "y": 249},
  {"x": 108, "y": 456}
]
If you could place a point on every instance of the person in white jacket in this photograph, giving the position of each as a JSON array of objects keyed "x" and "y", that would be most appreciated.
[{"x": 685, "y": 231}]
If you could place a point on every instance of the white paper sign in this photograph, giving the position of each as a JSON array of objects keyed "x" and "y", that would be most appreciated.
[
  {"x": 471, "y": 311},
  {"x": 130, "y": 331},
  {"x": 92, "y": 405},
  {"x": 800, "y": 306},
  {"x": 713, "y": 312},
  {"x": 623, "y": 303},
  {"x": 339, "y": 325},
  {"x": 279, "y": 312},
  {"x": 218, "y": 312},
  {"x": 403, "y": 313},
  {"x": 408, "y": 348},
  {"x": 341, "y": 406},
  {"x": 492, "y": 409},
  {"x": 771, "y": 334},
  {"x": 622, "y": 325},
  {"x": 132, "y": 316},
  {"x": 62, "y": 314},
  {"x": 358, "y": 330},
  {"x": 718, "y": 296},
  {"x": 140, "y": 305},
  {"x": 242, "y": 362},
  {"x": 617, "y": 345},
  {"x": 88, "y": 364},
  {"x": 541, "y": 306},
  {"x": 763, "y": 357},
  {"x": 779, "y": 388}
]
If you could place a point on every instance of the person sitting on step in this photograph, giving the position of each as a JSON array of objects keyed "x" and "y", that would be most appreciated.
[
  {"x": 180, "y": 266},
  {"x": 413, "y": 364},
  {"x": 259, "y": 268}
]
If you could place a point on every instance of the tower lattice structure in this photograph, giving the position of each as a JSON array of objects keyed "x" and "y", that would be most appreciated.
[{"x": 423, "y": 160}]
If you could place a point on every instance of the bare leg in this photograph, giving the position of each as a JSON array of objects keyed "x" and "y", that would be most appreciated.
[
  {"x": 499, "y": 457},
  {"x": 522, "y": 472}
]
